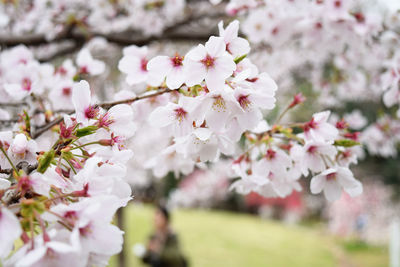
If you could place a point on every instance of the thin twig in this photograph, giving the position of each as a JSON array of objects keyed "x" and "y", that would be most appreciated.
[{"x": 131, "y": 100}]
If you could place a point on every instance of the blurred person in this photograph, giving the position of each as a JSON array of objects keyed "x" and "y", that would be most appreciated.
[{"x": 163, "y": 248}]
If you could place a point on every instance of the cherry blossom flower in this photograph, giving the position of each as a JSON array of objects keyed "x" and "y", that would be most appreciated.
[
  {"x": 177, "y": 116},
  {"x": 210, "y": 62},
  {"x": 87, "y": 64},
  {"x": 119, "y": 120},
  {"x": 235, "y": 45},
  {"x": 23, "y": 149},
  {"x": 82, "y": 103},
  {"x": 333, "y": 180},
  {"x": 171, "y": 68},
  {"x": 134, "y": 64},
  {"x": 319, "y": 129}
]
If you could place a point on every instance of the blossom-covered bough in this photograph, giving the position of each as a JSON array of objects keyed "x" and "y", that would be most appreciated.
[{"x": 68, "y": 158}]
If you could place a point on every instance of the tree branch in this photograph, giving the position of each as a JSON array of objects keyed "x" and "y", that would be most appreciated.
[
  {"x": 58, "y": 120},
  {"x": 131, "y": 100}
]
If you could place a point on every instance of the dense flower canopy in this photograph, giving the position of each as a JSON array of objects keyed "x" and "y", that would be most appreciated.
[{"x": 69, "y": 160}]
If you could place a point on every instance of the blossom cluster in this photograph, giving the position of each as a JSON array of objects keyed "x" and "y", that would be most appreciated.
[
  {"x": 54, "y": 17},
  {"x": 61, "y": 202},
  {"x": 60, "y": 188},
  {"x": 346, "y": 50}
]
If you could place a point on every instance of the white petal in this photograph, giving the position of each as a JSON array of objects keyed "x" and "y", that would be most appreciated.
[
  {"x": 4, "y": 184},
  {"x": 176, "y": 78},
  {"x": 159, "y": 67},
  {"x": 332, "y": 190},
  {"x": 195, "y": 72},
  {"x": 239, "y": 47},
  {"x": 215, "y": 46},
  {"x": 162, "y": 116},
  {"x": 231, "y": 31},
  {"x": 202, "y": 133},
  {"x": 196, "y": 54},
  {"x": 317, "y": 184},
  {"x": 81, "y": 96}
]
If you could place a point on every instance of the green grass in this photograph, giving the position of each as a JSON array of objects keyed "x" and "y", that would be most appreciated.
[
  {"x": 211, "y": 238},
  {"x": 216, "y": 238},
  {"x": 363, "y": 254}
]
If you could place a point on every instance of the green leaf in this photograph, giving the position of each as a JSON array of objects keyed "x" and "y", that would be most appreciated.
[
  {"x": 45, "y": 161},
  {"x": 86, "y": 131},
  {"x": 346, "y": 143},
  {"x": 238, "y": 59}
]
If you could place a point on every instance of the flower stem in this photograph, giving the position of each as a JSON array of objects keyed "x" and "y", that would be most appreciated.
[
  {"x": 9, "y": 160},
  {"x": 283, "y": 114},
  {"x": 87, "y": 144}
]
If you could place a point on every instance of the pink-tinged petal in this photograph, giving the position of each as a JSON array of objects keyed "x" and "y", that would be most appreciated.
[
  {"x": 221, "y": 28},
  {"x": 261, "y": 168},
  {"x": 239, "y": 47},
  {"x": 135, "y": 51},
  {"x": 224, "y": 65},
  {"x": 327, "y": 131},
  {"x": 195, "y": 72},
  {"x": 356, "y": 190},
  {"x": 162, "y": 116},
  {"x": 345, "y": 177},
  {"x": 15, "y": 91},
  {"x": 123, "y": 124},
  {"x": 263, "y": 101},
  {"x": 328, "y": 150},
  {"x": 233, "y": 131},
  {"x": 226, "y": 145},
  {"x": 136, "y": 77},
  {"x": 322, "y": 116},
  {"x": 390, "y": 96},
  {"x": 317, "y": 184},
  {"x": 4, "y": 184},
  {"x": 60, "y": 247},
  {"x": 250, "y": 119},
  {"x": 159, "y": 67},
  {"x": 215, "y": 46},
  {"x": 81, "y": 96},
  {"x": 216, "y": 119},
  {"x": 105, "y": 239},
  {"x": 332, "y": 190},
  {"x": 10, "y": 230},
  {"x": 231, "y": 31},
  {"x": 202, "y": 133},
  {"x": 266, "y": 84},
  {"x": 176, "y": 78},
  {"x": 214, "y": 80},
  {"x": 196, "y": 54},
  {"x": 259, "y": 180},
  {"x": 314, "y": 162},
  {"x": 83, "y": 57},
  {"x": 40, "y": 184},
  {"x": 32, "y": 257},
  {"x": 129, "y": 64},
  {"x": 154, "y": 79}
]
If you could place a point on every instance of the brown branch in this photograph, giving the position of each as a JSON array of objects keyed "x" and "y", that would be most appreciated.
[
  {"x": 46, "y": 127},
  {"x": 131, "y": 100},
  {"x": 58, "y": 120}
]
